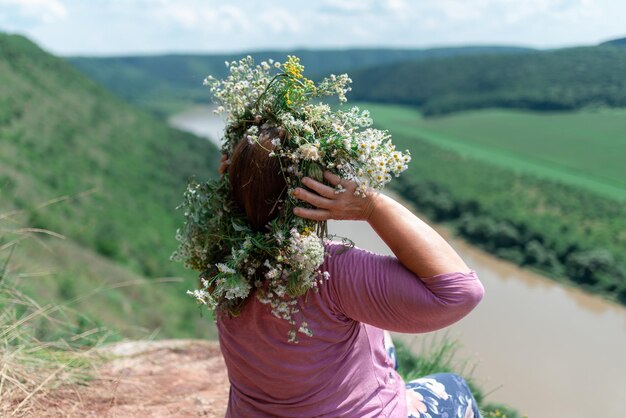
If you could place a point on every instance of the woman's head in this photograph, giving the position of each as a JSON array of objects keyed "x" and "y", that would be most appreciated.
[{"x": 256, "y": 179}]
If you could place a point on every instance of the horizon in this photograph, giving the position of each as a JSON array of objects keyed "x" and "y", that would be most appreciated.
[
  {"x": 109, "y": 28},
  {"x": 305, "y": 48}
]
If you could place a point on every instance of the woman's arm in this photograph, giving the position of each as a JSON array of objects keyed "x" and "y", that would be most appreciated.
[
  {"x": 380, "y": 291},
  {"x": 416, "y": 245}
]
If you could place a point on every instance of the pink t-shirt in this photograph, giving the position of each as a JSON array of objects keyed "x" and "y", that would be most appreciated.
[{"x": 343, "y": 370}]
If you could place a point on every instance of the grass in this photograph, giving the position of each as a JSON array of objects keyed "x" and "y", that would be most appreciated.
[
  {"x": 106, "y": 293},
  {"x": 585, "y": 149},
  {"x": 40, "y": 346},
  {"x": 118, "y": 175}
]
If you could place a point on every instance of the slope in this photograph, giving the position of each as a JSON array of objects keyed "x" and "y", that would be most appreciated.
[{"x": 116, "y": 172}]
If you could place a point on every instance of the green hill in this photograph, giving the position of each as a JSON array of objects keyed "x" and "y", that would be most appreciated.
[
  {"x": 165, "y": 83},
  {"x": 564, "y": 79},
  {"x": 119, "y": 172},
  {"x": 615, "y": 42}
]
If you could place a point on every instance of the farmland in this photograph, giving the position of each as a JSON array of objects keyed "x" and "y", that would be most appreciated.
[{"x": 586, "y": 149}]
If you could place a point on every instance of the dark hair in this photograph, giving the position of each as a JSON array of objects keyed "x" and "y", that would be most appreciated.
[{"x": 256, "y": 180}]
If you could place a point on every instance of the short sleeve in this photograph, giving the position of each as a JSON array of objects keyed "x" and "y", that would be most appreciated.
[{"x": 378, "y": 290}]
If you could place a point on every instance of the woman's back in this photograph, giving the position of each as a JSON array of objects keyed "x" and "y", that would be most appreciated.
[{"x": 343, "y": 369}]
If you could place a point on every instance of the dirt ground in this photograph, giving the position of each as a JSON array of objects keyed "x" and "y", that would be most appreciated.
[{"x": 167, "y": 378}]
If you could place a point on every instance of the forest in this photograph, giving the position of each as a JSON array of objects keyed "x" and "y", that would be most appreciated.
[
  {"x": 562, "y": 79},
  {"x": 167, "y": 83}
]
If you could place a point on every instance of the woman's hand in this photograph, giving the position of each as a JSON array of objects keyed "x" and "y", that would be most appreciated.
[
  {"x": 419, "y": 247},
  {"x": 331, "y": 204}
]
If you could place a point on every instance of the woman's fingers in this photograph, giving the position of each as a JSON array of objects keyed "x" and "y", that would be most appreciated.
[
  {"x": 320, "y": 188},
  {"x": 335, "y": 180},
  {"x": 328, "y": 203},
  {"x": 312, "y": 198},
  {"x": 332, "y": 178},
  {"x": 312, "y": 214}
]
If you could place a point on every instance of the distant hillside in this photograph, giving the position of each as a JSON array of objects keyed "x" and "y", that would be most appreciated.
[
  {"x": 615, "y": 42},
  {"x": 61, "y": 134},
  {"x": 166, "y": 83},
  {"x": 564, "y": 79}
]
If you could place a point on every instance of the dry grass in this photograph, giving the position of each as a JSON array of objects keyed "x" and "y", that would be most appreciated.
[{"x": 38, "y": 351}]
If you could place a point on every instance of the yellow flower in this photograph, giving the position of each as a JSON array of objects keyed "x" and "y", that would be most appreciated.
[{"x": 293, "y": 67}]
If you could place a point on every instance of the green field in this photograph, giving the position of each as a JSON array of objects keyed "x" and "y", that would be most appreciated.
[{"x": 585, "y": 149}]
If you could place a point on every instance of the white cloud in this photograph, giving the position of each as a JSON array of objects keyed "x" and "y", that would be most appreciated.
[
  {"x": 347, "y": 6},
  {"x": 581, "y": 11},
  {"x": 279, "y": 21},
  {"x": 47, "y": 11},
  {"x": 202, "y": 15},
  {"x": 131, "y": 26},
  {"x": 529, "y": 8},
  {"x": 455, "y": 11},
  {"x": 188, "y": 18},
  {"x": 230, "y": 18},
  {"x": 398, "y": 6},
  {"x": 502, "y": 13}
]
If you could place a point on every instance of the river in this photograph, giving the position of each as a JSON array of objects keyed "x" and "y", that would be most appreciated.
[{"x": 546, "y": 349}]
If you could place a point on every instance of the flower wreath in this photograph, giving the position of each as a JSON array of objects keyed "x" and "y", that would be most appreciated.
[{"x": 282, "y": 262}]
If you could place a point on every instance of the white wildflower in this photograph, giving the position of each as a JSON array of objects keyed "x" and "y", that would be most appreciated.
[
  {"x": 306, "y": 252},
  {"x": 309, "y": 152},
  {"x": 225, "y": 269}
]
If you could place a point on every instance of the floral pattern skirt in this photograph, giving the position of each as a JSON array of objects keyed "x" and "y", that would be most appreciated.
[{"x": 441, "y": 395}]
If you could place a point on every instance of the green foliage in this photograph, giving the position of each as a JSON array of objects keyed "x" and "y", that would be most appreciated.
[
  {"x": 594, "y": 267},
  {"x": 496, "y": 410},
  {"x": 166, "y": 84},
  {"x": 438, "y": 358},
  {"x": 117, "y": 174},
  {"x": 562, "y": 79}
]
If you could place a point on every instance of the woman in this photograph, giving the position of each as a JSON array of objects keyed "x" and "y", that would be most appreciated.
[{"x": 343, "y": 369}]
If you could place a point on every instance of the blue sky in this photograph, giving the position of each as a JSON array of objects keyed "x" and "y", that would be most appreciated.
[{"x": 114, "y": 27}]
